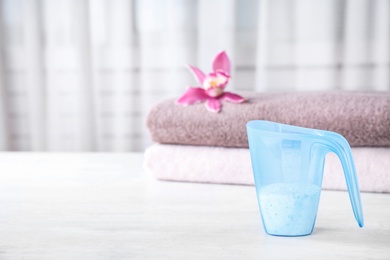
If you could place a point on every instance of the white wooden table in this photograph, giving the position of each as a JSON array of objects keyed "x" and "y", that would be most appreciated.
[{"x": 103, "y": 206}]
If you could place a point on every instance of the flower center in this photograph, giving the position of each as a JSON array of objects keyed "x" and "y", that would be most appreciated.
[
  {"x": 214, "y": 83},
  {"x": 214, "y": 80}
]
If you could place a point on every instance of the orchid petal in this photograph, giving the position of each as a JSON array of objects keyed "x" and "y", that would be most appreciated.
[
  {"x": 231, "y": 97},
  {"x": 214, "y": 92},
  {"x": 213, "y": 105},
  {"x": 198, "y": 74},
  {"x": 221, "y": 62},
  {"x": 192, "y": 96}
]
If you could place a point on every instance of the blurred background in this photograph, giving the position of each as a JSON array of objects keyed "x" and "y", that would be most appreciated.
[{"x": 81, "y": 75}]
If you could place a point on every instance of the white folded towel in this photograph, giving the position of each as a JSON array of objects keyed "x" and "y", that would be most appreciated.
[{"x": 233, "y": 166}]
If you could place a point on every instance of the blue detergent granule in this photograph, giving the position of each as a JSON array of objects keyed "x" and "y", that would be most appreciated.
[{"x": 289, "y": 209}]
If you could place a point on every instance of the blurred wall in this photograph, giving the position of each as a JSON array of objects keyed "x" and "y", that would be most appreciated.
[{"x": 81, "y": 75}]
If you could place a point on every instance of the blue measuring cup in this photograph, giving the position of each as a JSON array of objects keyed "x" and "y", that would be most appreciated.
[{"x": 288, "y": 164}]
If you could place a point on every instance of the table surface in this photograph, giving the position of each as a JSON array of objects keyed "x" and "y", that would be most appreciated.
[{"x": 104, "y": 206}]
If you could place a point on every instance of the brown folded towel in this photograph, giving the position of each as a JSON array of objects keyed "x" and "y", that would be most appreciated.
[{"x": 363, "y": 118}]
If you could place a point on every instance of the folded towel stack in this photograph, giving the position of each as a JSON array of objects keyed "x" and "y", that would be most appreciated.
[{"x": 200, "y": 146}]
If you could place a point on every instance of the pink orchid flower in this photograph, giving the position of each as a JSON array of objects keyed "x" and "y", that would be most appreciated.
[{"x": 213, "y": 86}]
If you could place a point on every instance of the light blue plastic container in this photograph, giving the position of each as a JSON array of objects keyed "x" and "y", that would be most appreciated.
[{"x": 288, "y": 164}]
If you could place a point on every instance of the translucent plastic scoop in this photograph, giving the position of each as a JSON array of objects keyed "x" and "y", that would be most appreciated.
[{"x": 288, "y": 164}]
